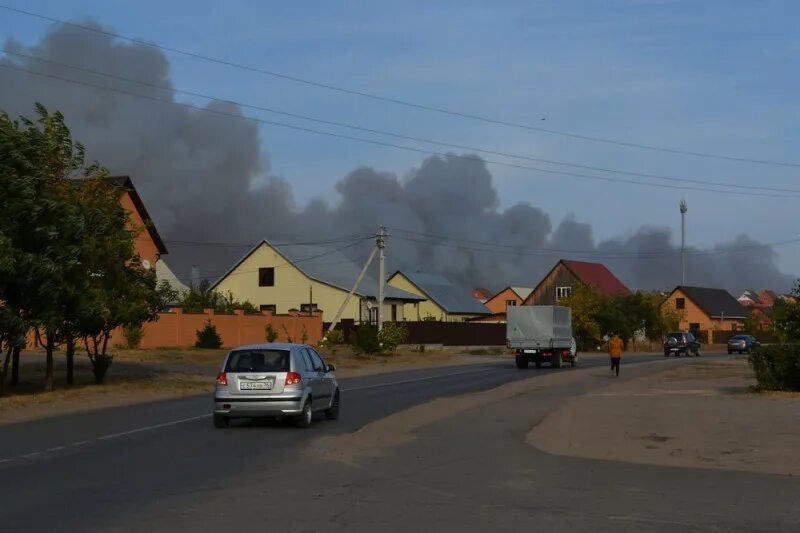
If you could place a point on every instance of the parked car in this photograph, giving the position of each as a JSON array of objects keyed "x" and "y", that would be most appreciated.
[
  {"x": 275, "y": 380},
  {"x": 681, "y": 343},
  {"x": 742, "y": 344}
]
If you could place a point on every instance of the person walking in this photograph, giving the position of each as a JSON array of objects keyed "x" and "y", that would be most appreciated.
[{"x": 615, "y": 347}]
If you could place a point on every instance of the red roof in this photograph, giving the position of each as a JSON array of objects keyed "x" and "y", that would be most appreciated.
[{"x": 598, "y": 276}]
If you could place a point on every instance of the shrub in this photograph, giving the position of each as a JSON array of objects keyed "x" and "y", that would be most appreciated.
[
  {"x": 270, "y": 333},
  {"x": 365, "y": 340},
  {"x": 304, "y": 335},
  {"x": 208, "y": 337},
  {"x": 777, "y": 367},
  {"x": 286, "y": 332},
  {"x": 392, "y": 334},
  {"x": 133, "y": 334},
  {"x": 332, "y": 340}
]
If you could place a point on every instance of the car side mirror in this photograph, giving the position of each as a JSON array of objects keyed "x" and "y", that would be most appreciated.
[{"x": 331, "y": 368}]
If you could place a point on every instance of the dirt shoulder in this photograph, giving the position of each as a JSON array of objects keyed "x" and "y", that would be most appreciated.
[{"x": 701, "y": 414}]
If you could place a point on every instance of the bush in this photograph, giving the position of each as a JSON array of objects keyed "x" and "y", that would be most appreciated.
[
  {"x": 365, "y": 340},
  {"x": 777, "y": 367},
  {"x": 270, "y": 333},
  {"x": 392, "y": 334},
  {"x": 208, "y": 337},
  {"x": 133, "y": 334}
]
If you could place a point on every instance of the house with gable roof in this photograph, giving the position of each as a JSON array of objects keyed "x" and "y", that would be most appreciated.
[
  {"x": 566, "y": 275},
  {"x": 309, "y": 278},
  {"x": 441, "y": 299}
]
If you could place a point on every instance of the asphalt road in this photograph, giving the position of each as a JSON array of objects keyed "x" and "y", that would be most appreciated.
[{"x": 162, "y": 466}]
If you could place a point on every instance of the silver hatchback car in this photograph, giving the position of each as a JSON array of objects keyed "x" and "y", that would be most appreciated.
[{"x": 275, "y": 380}]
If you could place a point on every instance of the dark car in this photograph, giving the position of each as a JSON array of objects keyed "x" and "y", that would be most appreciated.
[
  {"x": 742, "y": 344},
  {"x": 680, "y": 343}
]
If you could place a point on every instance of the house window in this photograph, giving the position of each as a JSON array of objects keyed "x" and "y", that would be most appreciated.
[
  {"x": 734, "y": 326},
  {"x": 308, "y": 308},
  {"x": 680, "y": 303},
  {"x": 563, "y": 292},
  {"x": 694, "y": 326},
  {"x": 373, "y": 315},
  {"x": 269, "y": 307},
  {"x": 266, "y": 277},
  {"x": 511, "y": 303},
  {"x": 394, "y": 313}
]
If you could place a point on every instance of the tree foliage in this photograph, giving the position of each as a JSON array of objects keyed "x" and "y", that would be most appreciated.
[
  {"x": 203, "y": 296},
  {"x": 785, "y": 316},
  {"x": 68, "y": 268}
]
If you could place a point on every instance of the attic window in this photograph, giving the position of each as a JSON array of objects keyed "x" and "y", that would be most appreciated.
[
  {"x": 266, "y": 277},
  {"x": 563, "y": 292},
  {"x": 511, "y": 303},
  {"x": 680, "y": 303}
]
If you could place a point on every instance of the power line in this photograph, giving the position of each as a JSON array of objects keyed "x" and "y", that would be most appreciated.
[
  {"x": 400, "y": 135},
  {"x": 398, "y": 146},
  {"x": 217, "y": 244},
  {"x": 479, "y": 246},
  {"x": 405, "y": 103}
]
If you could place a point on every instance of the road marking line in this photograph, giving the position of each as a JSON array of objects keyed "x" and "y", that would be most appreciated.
[
  {"x": 55, "y": 449},
  {"x": 80, "y": 443},
  {"x": 5, "y": 461},
  {"x": 33, "y": 454},
  {"x": 155, "y": 426},
  {"x": 406, "y": 381}
]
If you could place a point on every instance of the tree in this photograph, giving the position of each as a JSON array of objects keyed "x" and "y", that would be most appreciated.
[
  {"x": 41, "y": 229},
  {"x": 786, "y": 316},
  {"x": 586, "y": 304}
]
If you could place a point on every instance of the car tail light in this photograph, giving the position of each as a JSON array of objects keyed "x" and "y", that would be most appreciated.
[
  {"x": 293, "y": 378},
  {"x": 565, "y": 352},
  {"x": 683, "y": 340},
  {"x": 222, "y": 378}
]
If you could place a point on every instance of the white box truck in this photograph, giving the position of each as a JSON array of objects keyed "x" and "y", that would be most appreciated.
[{"x": 541, "y": 334}]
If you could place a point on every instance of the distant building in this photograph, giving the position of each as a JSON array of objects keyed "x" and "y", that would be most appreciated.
[
  {"x": 481, "y": 294},
  {"x": 566, "y": 275},
  {"x": 508, "y": 297},
  {"x": 705, "y": 308},
  {"x": 748, "y": 298},
  {"x": 441, "y": 299}
]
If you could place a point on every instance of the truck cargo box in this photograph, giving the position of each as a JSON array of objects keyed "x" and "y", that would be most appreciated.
[{"x": 539, "y": 326}]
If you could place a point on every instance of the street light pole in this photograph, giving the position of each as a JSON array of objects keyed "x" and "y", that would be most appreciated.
[{"x": 684, "y": 208}]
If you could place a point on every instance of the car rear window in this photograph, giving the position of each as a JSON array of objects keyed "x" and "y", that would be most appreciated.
[
  {"x": 258, "y": 361},
  {"x": 739, "y": 338},
  {"x": 677, "y": 336}
]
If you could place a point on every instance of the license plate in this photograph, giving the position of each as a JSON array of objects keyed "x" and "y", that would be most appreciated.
[
  {"x": 255, "y": 385},
  {"x": 673, "y": 349}
]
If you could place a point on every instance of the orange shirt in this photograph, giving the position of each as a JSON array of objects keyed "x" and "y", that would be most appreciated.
[{"x": 615, "y": 346}]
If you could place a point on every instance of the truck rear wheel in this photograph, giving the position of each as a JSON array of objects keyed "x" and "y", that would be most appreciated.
[
  {"x": 522, "y": 361},
  {"x": 538, "y": 363},
  {"x": 556, "y": 358}
]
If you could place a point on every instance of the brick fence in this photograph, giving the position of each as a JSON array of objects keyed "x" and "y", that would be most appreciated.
[{"x": 179, "y": 329}]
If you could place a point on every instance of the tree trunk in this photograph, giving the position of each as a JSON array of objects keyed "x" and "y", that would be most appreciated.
[
  {"x": 101, "y": 361},
  {"x": 70, "y": 360},
  {"x": 48, "y": 373},
  {"x": 5, "y": 372},
  {"x": 15, "y": 366}
]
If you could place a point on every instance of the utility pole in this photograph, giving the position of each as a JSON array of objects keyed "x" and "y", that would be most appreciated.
[
  {"x": 310, "y": 300},
  {"x": 353, "y": 290},
  {"x": 381, "y": 243},
  {"x": 683, "y": 241}
]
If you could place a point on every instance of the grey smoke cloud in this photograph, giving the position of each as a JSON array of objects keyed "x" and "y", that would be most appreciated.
[{"x": 204, "y": 177}]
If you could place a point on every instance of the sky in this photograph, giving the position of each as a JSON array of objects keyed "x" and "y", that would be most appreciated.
[{"x": 717, "y": 76}]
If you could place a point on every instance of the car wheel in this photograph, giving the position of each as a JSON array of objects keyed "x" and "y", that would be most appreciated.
[
  {"x": 522, "y": 361},
  {"x": 306, "y": 416},
  {"x": 332, "y": 413},
  {"x": 221, "y": 421}
]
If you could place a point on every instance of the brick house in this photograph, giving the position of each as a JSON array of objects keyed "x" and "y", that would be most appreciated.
[
  {"x": 510, "y": 296},
  {"x": 566, "y": 275},
  {"x": 148, "y": 244}
]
